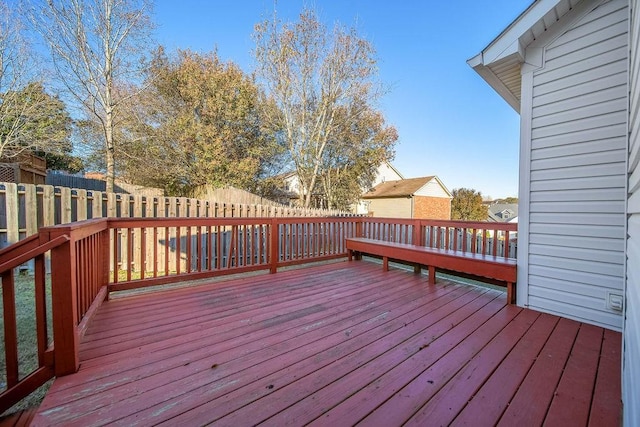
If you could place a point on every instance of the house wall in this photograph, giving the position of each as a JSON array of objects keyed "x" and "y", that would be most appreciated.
[
  {"x": 573, "y": 162},
  {"x": 432, "y": 189},
  {"x": 390, "y": 208},
  {"x": 431, "y": 207},
  {"x": 385, "y": 173},
  {"x": 631, "y": 365}
]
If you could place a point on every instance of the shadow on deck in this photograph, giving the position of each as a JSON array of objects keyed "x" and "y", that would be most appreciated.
[{"x": 336, "y": 344}]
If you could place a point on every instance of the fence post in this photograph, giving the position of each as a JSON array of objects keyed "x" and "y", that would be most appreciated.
[{"x": 64, "y": 304}]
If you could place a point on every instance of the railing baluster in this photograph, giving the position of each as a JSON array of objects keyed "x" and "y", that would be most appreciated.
[
  {"x": 10, "y": 328},
  {"x": 473, "y": 240},
  {"x": 41, "y": 307},
  {"x": 155, "y": 252},
  {"x": 189, "y": 262},
  {"x": 506, "y": 244},
  {"x": 218, "y": 249},
  {"x": 143, "y": 252},
  {"x": 112, "y": 252},
  {"x": 178, "y": 257},
  {"x": 129, "y": 252},
  {"x": 484, "y": 241}
]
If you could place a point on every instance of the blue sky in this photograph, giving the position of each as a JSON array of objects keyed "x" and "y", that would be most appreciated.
[{"x": 450, "y": 122}]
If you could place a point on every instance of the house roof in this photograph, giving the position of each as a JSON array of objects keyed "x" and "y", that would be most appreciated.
[
  {"x": 499, "y": 64},
  {"x": 401, "y": 188},
  {"x": 496, "y": 212}
]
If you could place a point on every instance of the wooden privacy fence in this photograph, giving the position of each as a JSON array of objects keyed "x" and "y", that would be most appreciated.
[{"x": 24, "y": 208}]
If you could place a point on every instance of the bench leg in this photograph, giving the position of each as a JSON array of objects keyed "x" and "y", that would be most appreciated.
[
  {"x": 432, "y": 275},
  {"x": 511, "y": 293},
  {"x": 417, "y": 269},
  {"x": 385, "y": 263}
]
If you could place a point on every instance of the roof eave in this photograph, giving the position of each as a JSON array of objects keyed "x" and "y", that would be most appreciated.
[
  {"x": 510, "y": 45},
  {"x": 392, "y": 196},
  {"x": 494, "y": 81}
]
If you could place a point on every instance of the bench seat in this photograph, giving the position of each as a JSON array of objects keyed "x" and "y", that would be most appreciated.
[{"x": 498, "y": 270}]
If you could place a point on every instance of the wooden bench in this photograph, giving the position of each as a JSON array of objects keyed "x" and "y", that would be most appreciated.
[{"x": 488, "y": 268}]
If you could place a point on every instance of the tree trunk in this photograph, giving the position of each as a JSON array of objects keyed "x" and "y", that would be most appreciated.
[{"x": 110, "y": 158}]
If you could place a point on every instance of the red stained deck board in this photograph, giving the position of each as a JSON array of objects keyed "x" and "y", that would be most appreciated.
[
  {"x": 158, "y": 393},
  {"x": 192, "y": 316},
  {"x": 252, "y": 317},
  {"x": 606, "y": 407},
  {"x": 530, "y": 404},
  {"x": 252, "y": 336},
  {"x": 404, "y": 403},
  {"x": 446, "y": 404},
  {"x": 264, "y": 352},
  {"x": 296, "y": 365},
  {"x": 572, "y": 399},
  {"x": 346, "y": 351},
  {"x": 274, "y": 309},
  {"x": 350, "y": 301},
  {"x": 492, "y": 399},
  {"x": 341, "y": 384},
  {"x": 346, "y": 408},
  {"x": 219, "y": 295}
]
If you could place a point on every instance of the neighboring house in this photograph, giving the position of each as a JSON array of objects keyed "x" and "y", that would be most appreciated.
[
  {"x": 289, "y": 191},
  {"x": 425, "y": 197},
  {"x": 291, "y": 185},
  {"x": 571, "y": 68},
  {"x": 503, "y": 212},
  {"x": 386, "y": 172}
]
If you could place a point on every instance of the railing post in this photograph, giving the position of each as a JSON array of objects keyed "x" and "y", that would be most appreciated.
[
  {"x": 359, "y": 227},
  {"x": 273, "y": 245},
  {"x": 64, "y": 305},
  {"x": 105, "y": 257},
  {"x": 418, "y": 233}
]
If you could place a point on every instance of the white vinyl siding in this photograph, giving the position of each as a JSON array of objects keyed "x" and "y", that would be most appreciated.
[
  {"x": 577, "y": 180},
  {"x": 631, "y": 365},
  {"x": 391, "y": 208},
  {"x": 385, "y": 173},
  {"x": 432, "y": 189}
]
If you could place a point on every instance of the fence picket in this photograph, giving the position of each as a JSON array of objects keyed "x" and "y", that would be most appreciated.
[{"x": 11, "y": 213}]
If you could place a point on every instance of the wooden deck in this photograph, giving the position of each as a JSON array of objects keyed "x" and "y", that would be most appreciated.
[{"x": 338, "y": 344}]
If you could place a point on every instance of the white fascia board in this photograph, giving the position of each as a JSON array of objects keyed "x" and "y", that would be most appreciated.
[{"x": 507, "y": 43}]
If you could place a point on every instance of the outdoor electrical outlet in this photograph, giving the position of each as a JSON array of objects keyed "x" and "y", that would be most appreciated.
[{"x": 614, "y": 301}]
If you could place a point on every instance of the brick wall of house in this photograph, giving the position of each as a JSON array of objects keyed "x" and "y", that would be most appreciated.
[{"x": 431, "y": 207}]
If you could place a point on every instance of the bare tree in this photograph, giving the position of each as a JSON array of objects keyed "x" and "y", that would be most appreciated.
[
  {"x": 94, "y": 45},
  {"x": 312, "y": 75},
  {"x": 30, "y": 119}
]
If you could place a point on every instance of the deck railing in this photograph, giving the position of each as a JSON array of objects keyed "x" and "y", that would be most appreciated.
[
  {"x": 90, "y": 259},
  {"x": 148, "y": 252},
  {"x": 489, "y": 238}
]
